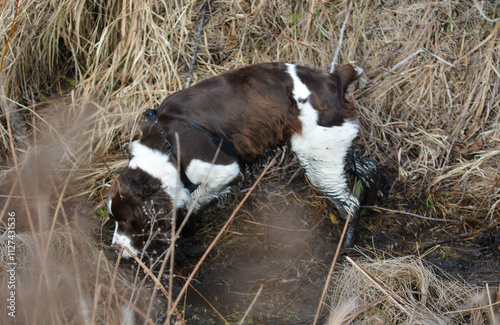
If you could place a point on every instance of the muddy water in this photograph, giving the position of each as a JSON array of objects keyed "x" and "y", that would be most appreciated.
[{"x": 275, "y": 246}]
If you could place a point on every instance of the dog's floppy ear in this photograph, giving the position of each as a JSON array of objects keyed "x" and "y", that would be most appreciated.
[
  {"x": 345, "y": 75},
  {"x": 148, "y": 189},
  {"x": 138, "y": 182},
  {"x": 142, "y": 189},
  {"x": 342, "y": 77}
]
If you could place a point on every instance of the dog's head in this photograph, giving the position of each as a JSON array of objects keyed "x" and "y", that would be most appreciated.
[{"x": 141, "y": 209}]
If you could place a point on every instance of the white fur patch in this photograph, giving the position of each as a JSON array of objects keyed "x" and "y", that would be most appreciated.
[
  {"x": 157, "y": 164},
  {"x": 123, "y": 241},
  {"x": 300, "y": 90},
  {"x": 322, "y": 152},
  {"x": 216, "y": 177},
  {"x": 199, "y": 171},
  {"x": 308, "y": 115}
]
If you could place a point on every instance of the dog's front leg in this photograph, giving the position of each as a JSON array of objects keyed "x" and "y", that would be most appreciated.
[
  {"x": 322, "y": 153},
  {"x": 367, "y": 172}
]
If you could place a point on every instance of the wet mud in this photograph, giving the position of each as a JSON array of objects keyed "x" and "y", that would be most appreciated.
[{"x": 283, "y": 241}]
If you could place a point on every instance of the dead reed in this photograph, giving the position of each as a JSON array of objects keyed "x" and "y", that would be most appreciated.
[
  {"x": 404, "y": 291},
  {"x": 429, "y": 110}
]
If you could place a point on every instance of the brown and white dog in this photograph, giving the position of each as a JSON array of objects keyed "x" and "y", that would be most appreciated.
[{"x": 243, "y": 111}]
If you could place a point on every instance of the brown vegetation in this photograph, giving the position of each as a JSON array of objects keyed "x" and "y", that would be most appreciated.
[{"x": 76, "y": 74}]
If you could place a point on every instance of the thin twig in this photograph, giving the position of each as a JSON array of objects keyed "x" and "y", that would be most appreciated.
[
  {"x": 491, "y": 304},
  {"x": 374, "y": 207},
  {"x": 198, "y": 35},
  {"x": 209, "y": 304},
  {"x": 17, "y": 11},
  {"x": 498, "y": 295},
  {"x": 309, "y": 20},
  {"x": 486, "y": 196},
  {"x": 408, "y": 58},
  {"x": 438, "y": 58},
  {"x": 341, "y": 37},
  {"x": 128, "y": 303},
  {"x": 150, "y": 274},
  {"x": 251, "y": 305},
  {"x": 471, "y": 309},
  {"x": 276, "y": 227},
  {"x": 289, "y": 39},
  {"x": 332, "y": 267},
  {"x": 173, "y": 231}
]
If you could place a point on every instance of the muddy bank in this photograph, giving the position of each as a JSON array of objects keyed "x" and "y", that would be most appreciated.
[{"x": 282, "y": 243}]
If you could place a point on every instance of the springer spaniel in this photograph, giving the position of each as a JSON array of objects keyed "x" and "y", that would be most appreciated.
[{"x": 243, "y": 112}]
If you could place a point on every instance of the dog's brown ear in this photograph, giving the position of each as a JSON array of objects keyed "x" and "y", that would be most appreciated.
[
  {"x": 113, "y": 195},
  {"x": 347, "y": 74},
  {"x": 116, "y": 188},
  {"x": 139, "y": 183},
  {"x": 342, "y": 77},
  {"x": 149, "y": 189}
]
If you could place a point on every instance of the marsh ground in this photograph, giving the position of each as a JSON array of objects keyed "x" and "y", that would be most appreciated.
[{"x": 76, "y": 75}]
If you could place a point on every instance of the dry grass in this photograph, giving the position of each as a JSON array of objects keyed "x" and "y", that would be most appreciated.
[
  {"x": 429, "y": 111},
  {"x": 404, "y": 291},
  {"x": 63, "y": 278},
  {"x": 61, "y": 275},
  {"x": 76, "y": 74}
]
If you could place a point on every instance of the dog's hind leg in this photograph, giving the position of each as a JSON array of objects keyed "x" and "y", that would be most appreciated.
[{"x": 366, "y": 171}]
